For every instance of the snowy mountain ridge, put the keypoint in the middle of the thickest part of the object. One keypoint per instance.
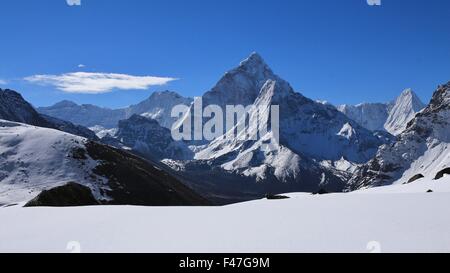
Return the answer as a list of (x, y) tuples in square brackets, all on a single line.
[(14, 107), (310, 132), (34, 159), (421, 150), (391, 117), (157, 106)]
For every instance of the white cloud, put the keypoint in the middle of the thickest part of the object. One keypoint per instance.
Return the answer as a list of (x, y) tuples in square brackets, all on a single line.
[(3, 82), (81, 66), (73, 2), (96, 83)]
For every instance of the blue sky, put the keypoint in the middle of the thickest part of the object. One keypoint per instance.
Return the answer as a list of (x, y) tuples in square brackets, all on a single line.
[(340, 51)]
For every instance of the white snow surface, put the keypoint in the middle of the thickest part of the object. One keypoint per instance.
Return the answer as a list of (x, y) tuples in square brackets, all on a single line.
[(33, 159), (101, 131), (402, 218)]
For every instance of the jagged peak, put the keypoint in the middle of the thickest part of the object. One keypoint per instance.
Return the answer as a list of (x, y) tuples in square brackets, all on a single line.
[(410, 97), (441, 98), (65, 103), (408, 93), (10, 92), (255, 64), (165, 94), (254, 58)]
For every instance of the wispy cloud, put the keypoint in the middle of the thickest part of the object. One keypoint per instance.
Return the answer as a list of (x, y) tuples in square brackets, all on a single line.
[(3, 82), (96, 83), (81, 66), (73, 2)]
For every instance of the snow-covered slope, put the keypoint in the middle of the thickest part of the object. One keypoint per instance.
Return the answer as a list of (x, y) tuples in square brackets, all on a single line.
[(391, 117), (33, 159), (14, 107), (422, 149), (371, 116), (158, 106), (102, 132), (387, 219)]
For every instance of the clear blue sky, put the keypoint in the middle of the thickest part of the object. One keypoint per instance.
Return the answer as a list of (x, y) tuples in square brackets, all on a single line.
[(340, 51)]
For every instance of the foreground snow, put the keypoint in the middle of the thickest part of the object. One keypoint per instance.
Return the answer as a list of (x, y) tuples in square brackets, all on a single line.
[(401, 218)]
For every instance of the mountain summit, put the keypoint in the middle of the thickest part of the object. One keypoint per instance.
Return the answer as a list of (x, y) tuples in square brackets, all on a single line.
[(312, 135), (404, 109), (391, 117), (241, 85), (420, 151)]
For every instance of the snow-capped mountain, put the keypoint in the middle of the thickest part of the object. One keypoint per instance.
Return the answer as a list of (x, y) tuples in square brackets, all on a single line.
[(14, 107), (158, 106), (34, 159), (406, 106), (391, 117), (146, 137), (371, 116), (239, 86), (422, 150), (86, 115), (310, 132)]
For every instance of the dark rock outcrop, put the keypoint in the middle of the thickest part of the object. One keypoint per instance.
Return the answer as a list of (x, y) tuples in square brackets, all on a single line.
[(69, 195), (415, 177), (441, 174)]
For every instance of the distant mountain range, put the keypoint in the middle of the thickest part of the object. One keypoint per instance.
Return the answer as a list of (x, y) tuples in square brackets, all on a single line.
[(313, 137), (14, 108), (391, 117), (320, 147), (157, 107)]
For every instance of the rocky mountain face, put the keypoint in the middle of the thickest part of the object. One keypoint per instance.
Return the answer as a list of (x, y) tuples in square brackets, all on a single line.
[(310, 132), (14, 107), (422, 150), (391, 117), (148, 138), (35, 159), (158, 107)]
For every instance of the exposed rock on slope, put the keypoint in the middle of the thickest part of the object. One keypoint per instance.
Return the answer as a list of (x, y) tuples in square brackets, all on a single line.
[(423, 148), (148, 138), (34, 159), (310, 132)]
